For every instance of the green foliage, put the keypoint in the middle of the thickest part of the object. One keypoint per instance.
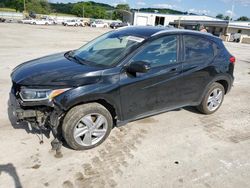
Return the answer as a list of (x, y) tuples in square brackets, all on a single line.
[(89, 9), (161, 10), (226, 18), (220, 16), (38, 6), (243, 18), (122, 7), (119, 11), (62, 8)]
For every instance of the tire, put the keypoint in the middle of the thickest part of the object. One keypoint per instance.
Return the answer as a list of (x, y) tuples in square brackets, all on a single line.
[(76, 25), (206, 107), (75, 120)]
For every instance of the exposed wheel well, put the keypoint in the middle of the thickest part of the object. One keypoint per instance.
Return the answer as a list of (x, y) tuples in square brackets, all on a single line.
[(224, 83)]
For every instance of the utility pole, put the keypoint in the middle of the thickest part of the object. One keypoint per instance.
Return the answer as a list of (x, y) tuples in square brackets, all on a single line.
[(83, 11), (232, 12), (24, 6)]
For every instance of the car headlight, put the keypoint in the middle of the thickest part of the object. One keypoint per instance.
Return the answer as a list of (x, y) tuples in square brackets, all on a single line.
[(40, 94)]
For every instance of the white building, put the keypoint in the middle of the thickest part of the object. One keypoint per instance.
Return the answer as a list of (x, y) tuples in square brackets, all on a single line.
[(153, 19)]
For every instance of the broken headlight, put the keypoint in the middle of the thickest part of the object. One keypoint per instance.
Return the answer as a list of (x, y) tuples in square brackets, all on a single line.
[(40, 94)]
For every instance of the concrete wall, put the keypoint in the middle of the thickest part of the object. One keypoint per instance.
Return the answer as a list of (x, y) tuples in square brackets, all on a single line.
[(11, 15), (246, 40)]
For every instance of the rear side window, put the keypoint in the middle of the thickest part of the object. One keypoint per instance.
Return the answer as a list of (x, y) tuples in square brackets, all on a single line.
[(198, 49)]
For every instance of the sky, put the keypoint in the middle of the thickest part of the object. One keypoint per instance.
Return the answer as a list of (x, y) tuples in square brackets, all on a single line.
[(208, 7)]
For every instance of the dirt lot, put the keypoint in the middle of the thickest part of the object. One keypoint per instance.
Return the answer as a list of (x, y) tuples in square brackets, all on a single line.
[(180, 148)]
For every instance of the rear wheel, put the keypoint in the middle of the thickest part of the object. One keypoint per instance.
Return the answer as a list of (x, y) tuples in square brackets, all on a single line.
[(212, 99), (86, 126)]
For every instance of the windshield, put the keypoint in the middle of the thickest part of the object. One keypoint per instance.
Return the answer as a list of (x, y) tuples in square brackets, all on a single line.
[(107, 49)]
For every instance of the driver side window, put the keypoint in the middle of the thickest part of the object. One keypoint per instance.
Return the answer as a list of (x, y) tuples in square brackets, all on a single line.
[(162, 51)]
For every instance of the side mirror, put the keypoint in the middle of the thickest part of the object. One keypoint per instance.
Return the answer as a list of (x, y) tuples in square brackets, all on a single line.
[(138, 66)]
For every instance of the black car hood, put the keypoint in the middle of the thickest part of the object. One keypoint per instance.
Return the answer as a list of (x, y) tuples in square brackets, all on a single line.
[(55, 70)]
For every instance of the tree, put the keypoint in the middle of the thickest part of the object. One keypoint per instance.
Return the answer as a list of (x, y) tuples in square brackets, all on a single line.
[(91, 10), (122, 7), (220, 16), (226, 18), (243, 18), (119, 11), (38, 6)]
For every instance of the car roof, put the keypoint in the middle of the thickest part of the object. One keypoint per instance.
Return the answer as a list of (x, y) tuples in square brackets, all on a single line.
[(142, 31), (150, 31)]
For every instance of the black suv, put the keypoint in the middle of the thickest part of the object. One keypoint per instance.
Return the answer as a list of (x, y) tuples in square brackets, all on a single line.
[(119, 77)]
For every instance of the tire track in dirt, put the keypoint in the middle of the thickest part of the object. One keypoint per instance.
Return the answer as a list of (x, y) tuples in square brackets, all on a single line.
[(216, 125), (113, 156)]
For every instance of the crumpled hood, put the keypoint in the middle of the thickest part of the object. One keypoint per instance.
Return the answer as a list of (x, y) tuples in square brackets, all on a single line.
[(55, 70)]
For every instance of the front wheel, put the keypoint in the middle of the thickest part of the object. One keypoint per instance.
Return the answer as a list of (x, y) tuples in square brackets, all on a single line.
[(87, 126), (212, 99)]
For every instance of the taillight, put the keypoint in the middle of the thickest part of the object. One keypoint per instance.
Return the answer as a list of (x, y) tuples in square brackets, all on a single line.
[(232, 59)]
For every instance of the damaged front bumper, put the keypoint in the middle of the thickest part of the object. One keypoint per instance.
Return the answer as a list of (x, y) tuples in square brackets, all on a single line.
[(43, 115), (37, 116)]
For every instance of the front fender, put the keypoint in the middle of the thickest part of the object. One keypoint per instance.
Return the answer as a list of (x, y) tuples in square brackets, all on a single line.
[(88, 93)]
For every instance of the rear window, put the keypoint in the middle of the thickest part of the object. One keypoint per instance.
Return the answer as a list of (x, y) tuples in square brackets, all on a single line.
[(198, 49)]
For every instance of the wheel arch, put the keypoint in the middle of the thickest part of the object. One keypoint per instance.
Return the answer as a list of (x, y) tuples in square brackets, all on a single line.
[(224, 83), (109, 105), (225, 80)]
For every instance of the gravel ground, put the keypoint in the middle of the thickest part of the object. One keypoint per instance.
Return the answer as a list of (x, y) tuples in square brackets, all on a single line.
[(181, 148)]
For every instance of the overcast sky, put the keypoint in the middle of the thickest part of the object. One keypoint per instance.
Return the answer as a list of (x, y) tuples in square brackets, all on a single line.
[(209, 7)]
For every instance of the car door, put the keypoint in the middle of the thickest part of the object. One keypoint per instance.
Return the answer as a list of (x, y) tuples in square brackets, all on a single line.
[(158, 88), (198, 54)]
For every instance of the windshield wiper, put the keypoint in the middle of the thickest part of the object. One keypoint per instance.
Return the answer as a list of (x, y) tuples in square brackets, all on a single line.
[(75, 57)]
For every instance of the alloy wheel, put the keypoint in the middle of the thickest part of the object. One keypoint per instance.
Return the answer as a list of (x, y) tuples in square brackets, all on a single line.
[(90, 129), (214, 99)]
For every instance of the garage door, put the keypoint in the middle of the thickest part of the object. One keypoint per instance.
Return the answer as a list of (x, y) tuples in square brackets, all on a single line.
[(141, 20)]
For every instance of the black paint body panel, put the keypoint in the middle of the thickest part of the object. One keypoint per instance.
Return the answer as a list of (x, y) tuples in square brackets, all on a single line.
[(132, 96)]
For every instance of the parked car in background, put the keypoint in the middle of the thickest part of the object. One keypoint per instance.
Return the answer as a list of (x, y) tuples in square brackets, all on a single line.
[(27, 20), (43, 22), (2, 19), (75, 23), (116, 25), (99, 24), (119, 77)]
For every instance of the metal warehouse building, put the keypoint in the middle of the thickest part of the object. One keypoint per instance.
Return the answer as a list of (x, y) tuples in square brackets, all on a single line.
[(213, 25), (224, 29)]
